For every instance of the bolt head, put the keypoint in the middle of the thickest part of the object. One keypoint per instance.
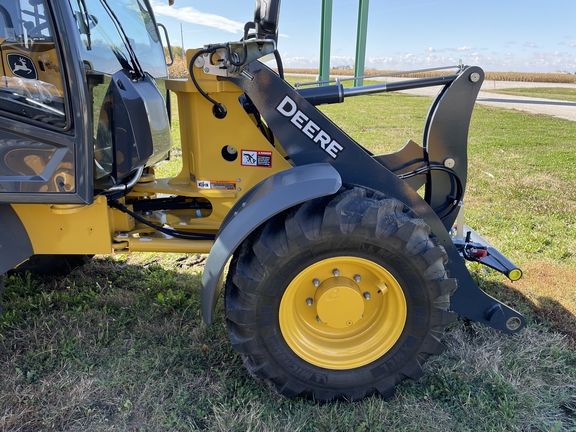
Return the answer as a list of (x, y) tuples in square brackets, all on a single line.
[(336, 272), (513, 323), (316, 282), (309, 301), (367, 295), (474, 77), (357, 278)]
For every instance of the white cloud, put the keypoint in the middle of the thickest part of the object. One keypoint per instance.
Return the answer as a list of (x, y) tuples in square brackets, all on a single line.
[(194, 16), (507, 62), (463, 48)]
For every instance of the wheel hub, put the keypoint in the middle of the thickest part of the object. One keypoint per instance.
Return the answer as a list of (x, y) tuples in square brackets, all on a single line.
[(339, 302), (342, 312)]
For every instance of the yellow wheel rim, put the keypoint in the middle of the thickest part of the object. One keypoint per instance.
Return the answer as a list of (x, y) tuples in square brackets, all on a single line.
[(342, 313)]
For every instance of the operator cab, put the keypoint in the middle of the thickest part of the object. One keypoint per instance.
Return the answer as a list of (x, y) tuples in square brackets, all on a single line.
[(81, 97)]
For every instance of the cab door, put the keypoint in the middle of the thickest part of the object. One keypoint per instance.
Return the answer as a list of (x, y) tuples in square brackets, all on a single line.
[(44, 145)]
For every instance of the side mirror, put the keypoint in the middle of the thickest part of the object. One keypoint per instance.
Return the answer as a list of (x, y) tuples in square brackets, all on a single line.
[(266, 16)]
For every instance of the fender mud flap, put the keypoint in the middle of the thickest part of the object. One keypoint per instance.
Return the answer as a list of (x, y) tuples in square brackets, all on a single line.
[(15, 245), (268, 198)]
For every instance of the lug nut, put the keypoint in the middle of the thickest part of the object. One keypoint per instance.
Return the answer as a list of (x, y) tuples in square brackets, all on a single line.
[(309, 301), (336, 272), (357, 278), (318, 319), (367, 295), (316, 282)]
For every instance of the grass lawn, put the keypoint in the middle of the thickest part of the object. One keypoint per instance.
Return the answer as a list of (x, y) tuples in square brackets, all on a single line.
[(119, 344)]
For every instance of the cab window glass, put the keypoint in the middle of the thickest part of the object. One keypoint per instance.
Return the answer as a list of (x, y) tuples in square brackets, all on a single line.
[(116, 35), (31, 83)]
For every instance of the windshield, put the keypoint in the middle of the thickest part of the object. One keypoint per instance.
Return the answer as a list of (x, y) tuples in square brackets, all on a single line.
[(119, 34)]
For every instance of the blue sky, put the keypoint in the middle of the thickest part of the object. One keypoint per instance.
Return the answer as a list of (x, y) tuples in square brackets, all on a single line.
[(505, 35)]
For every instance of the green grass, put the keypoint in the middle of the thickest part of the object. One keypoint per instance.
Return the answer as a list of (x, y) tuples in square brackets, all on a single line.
[(119, 344), (555, 93)]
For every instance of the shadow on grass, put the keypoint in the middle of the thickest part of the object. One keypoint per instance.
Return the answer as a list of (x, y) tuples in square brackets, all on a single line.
[(114, 343)]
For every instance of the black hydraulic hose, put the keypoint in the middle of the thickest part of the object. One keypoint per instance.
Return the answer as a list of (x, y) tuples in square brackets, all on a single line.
[(279, 64), (186, 235), (459, 187), (238, 63), (221, 108)]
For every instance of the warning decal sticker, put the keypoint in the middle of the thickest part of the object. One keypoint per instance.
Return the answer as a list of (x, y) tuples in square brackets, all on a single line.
[(257, 158)]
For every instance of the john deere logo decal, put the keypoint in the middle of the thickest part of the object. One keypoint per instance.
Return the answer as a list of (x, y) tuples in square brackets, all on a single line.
[(22, 66)]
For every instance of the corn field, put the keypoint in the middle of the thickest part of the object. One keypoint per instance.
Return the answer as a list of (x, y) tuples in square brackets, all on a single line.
[(180, 70)]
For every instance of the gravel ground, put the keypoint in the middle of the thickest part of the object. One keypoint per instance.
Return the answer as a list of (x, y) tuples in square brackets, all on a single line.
[(561, 109)]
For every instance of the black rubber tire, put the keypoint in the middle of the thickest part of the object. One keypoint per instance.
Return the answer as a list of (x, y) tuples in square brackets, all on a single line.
[(354, 222), (1, 292)]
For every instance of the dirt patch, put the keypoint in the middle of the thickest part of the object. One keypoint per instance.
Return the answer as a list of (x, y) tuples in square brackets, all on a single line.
[(551, 290)]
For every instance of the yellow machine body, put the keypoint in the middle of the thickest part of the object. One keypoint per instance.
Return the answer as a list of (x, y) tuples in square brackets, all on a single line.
[(211, 172)]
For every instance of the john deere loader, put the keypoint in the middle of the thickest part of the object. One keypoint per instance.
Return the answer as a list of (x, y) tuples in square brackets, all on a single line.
[(343, 266)]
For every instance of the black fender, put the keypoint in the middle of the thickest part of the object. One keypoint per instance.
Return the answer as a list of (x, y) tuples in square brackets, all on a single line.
[(271, 196), (15, 245)]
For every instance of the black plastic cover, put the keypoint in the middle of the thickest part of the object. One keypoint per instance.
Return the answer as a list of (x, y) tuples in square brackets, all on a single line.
[(266, 17), (140, 124)]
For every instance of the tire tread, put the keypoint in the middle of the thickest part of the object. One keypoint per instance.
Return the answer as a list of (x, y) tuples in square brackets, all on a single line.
[(367, 215)]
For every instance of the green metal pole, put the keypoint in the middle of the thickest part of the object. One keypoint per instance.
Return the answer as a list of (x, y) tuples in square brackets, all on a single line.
[(325, 39), (361, 41)]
